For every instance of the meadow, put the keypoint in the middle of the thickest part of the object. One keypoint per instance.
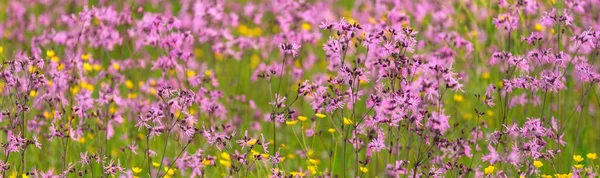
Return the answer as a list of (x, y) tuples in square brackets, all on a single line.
[(299, 88)]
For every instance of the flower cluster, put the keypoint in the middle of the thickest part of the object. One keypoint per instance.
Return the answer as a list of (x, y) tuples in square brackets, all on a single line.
[(294, 88)]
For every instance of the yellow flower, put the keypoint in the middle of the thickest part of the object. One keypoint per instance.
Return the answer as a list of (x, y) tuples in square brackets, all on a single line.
[(206, 162), (252, 141), (489, 169), (81, 140), (50, 53), (312, 169), (306, 26), (116, 66), (331, 130), (155, 164), (136, 169), (474, 33), (319, 115), (458, 98), (538, 27), (592, 156), (302, 118), (364, 169), (347, 121), (563, 175), (48, 115), (129, 84), (297, 174), (225, 156), (97, 67), (538, 164), (490, 113), (243, 29), (190, 73), (170, 171), (254, 61), (293, 122), (546, 176), (225, 163), (87, 66), (85, 57), (32, 93), (1, 49), (55, 59), (314, 161), (578, 166), (24, 176), (577, 158), (60, 67), (208, 73)]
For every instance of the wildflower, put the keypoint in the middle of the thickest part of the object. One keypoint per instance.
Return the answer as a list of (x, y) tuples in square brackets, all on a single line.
[(50, 53), (225, 156), (347, 121), (85, 57), (331, 130), (129, 84), (577, 158), (208, 73), (538, 164), (206, 162), (302, 118), (252, 142), (538, 27), (1, 49), (136, 170), (364, 169), (438, 122), (489, 169), (24, 176), (297, 174), (293, 122), (319, 115), (578, 166), (306, 26), (155, 164), (87, 67), (32, 93), (116, 66), (312, 169), (458, 98), (314, 161), (170, 171), (97, 67), (55, 59), (592, 156), (225, 163), (508, 22), (563, 175), (289, 48), (490, 113)]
